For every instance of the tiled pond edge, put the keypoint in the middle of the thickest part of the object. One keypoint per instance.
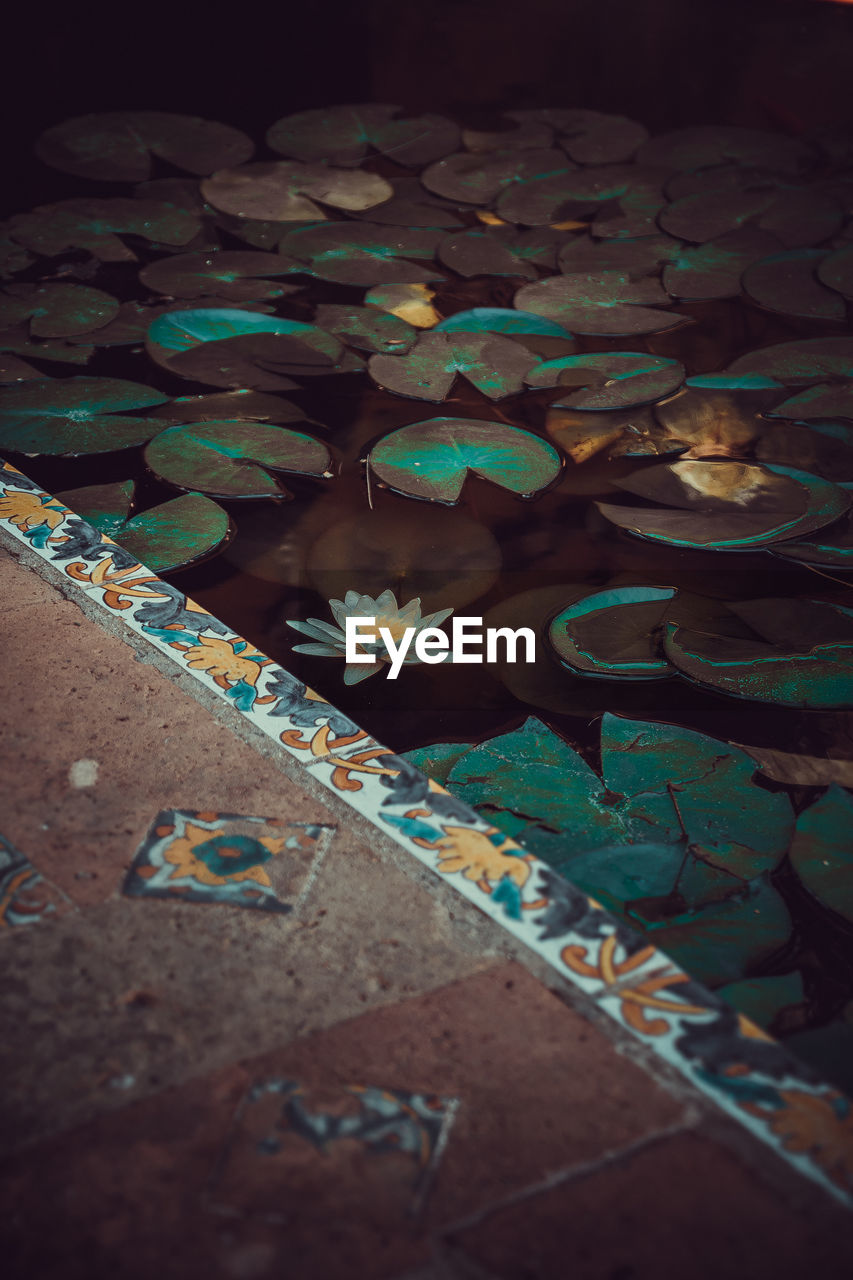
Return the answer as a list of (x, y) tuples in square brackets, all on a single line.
[(745, 1072)]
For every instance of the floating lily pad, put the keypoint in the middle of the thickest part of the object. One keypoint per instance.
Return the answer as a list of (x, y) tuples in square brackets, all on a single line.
[(55, 350), (116, 146), (807, 667), (761, 999), (475, 253), (608, 303), (623, 434), (589, 137), (366, 328), (56, 310), (836, 271), (228, 406), (234, 459), (817, 403), (362, 254), (495, 365), (638, 257), (787, 282), (234, 275), (96, 225), (822, 853), (501, 320), (433, 459), (76, 415), (609, 379), (170, 536), (707, 145), (831, 549), (797, 216), (411, 302), (477, 179), (283, 191), (727, 505), (413, 206), (344, 135), (519, 134), (637, 193), (808, 360), (714, 269), (613, 633)]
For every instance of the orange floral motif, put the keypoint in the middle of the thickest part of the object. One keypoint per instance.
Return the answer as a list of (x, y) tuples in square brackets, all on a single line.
[(28, 510), (473, 854), (810, 1125), (181, 854), (217, 657), (637, 996)]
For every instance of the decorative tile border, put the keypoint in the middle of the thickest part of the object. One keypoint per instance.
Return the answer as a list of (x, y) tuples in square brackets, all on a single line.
[(744, 1071)]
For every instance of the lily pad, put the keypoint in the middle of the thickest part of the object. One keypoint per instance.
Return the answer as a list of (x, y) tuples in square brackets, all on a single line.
[(609, 303), (234, 275), (170, 536), (807, 360), (501, 320), (761, 999), (495, 365), (412, 205), (636, 193), (363, 254), (478, 179), (637, 257), (817, 403), (706, 145), (811, 667), (712, 423), (228, 406), (366, 328), (96, 225), (822, 853), (234, 459), (475, 253), (797, 216), (614, 633), (76, 415), (726, 505), (411, 302), (623, 434), (433, 459), (284, 191), (344, 135), (589, 137), (836, 271), (714, 269), (117, 146), (609, 379), (519, 134), (56, 310), (787, 282)]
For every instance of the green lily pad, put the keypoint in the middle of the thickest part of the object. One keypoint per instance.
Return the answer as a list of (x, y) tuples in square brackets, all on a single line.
[(56, 350), (366, 328), (170, 536), (798, 217), (364, 254), (761, 999), (344, 135), (495, 365), (234, 275), (613, 633), (285, 191), (116, 146), (636, 193), (234, 459), (804, 361), (727, 505), (501, 320), (822, 851), (673, 801), (476, 178), (817, 403), (804, 661), (56, 310), (714, 269), (635, 257), (518, 134), (436, 762), (709, 145), (589, 137), (475, 253), (433, 459), (836, 271), (96, 225), (605, 304), (229, 406), (609, 379), (76, 415), (787, 282)]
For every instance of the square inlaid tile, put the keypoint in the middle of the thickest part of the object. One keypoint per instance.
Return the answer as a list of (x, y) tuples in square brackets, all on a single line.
[(262, 863), (25, 896)]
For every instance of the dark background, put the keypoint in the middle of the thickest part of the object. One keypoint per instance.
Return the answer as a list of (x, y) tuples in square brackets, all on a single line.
[(784, 64)]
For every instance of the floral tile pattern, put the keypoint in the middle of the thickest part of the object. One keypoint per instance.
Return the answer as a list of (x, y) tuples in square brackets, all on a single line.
[(25, 896), (720, 1052), (379, 1146), (261, 863)]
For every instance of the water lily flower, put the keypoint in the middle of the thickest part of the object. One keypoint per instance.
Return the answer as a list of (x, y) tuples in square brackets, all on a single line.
[(331, 640)]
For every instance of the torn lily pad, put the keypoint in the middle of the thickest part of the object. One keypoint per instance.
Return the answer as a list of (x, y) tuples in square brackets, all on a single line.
[(726, 505), (608, 379), (433, 459), (117, 146), (235, 275), (614, 633), (359, 253), (800, 656), (788, 283), (345, 135), (76, 415), (411, 302), (609, 303), (234, 459), (284, 191), (97, 225), (495, 365), (56, 310), (166, 537)]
